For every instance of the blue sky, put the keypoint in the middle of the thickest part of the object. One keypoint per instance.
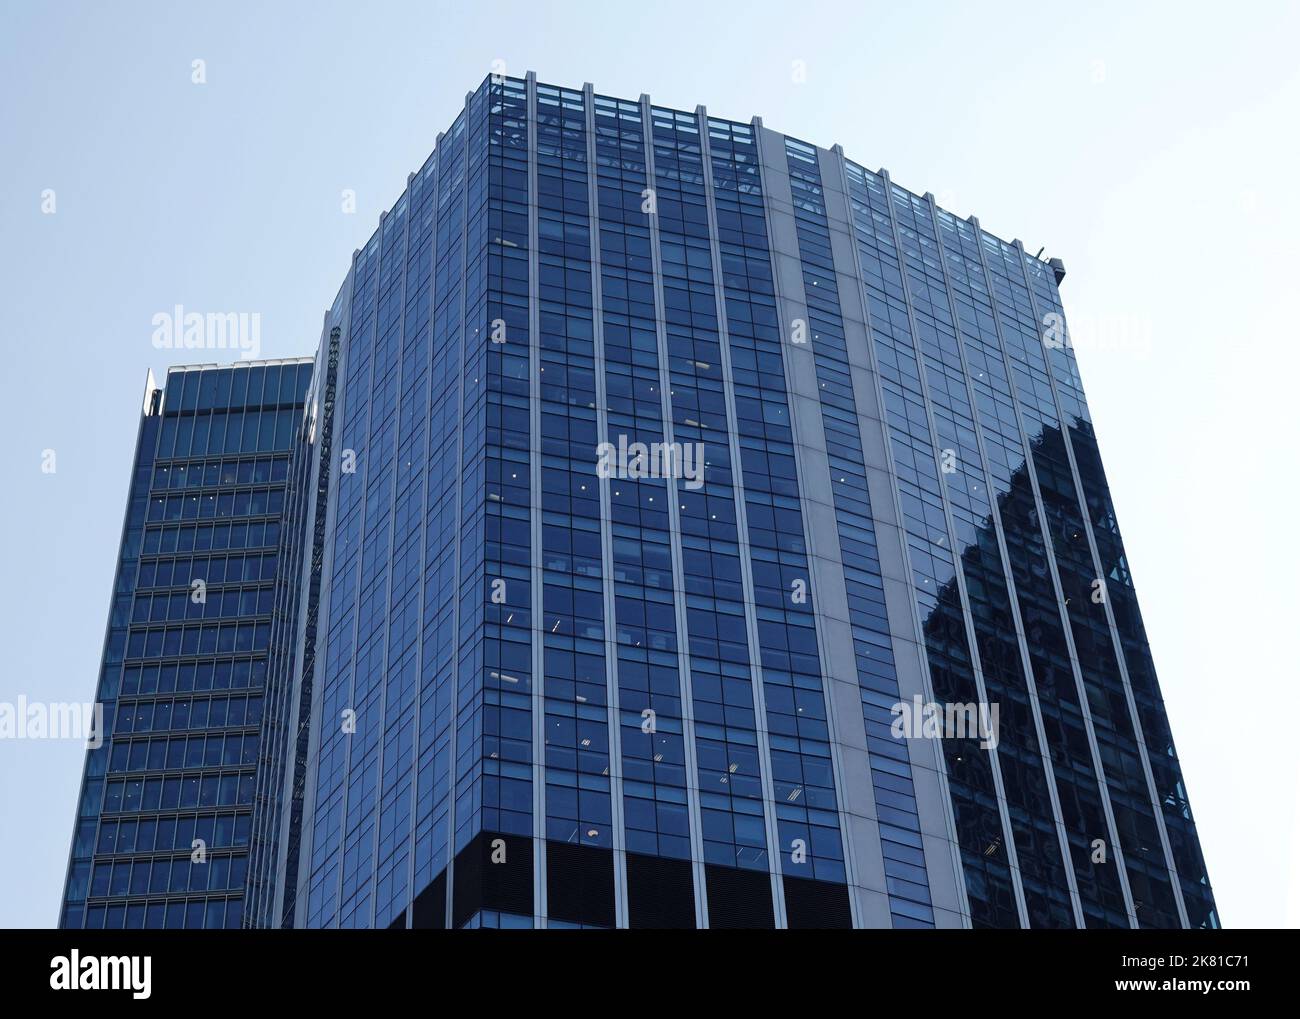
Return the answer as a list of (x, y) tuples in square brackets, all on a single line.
[(1152, 147)]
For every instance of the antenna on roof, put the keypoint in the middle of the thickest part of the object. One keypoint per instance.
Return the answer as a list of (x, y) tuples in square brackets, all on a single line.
[(1040, 251)]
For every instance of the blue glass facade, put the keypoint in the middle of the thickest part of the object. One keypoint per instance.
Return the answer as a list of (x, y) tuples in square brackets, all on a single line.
[(509, 685), (890, 770), (164, 820)]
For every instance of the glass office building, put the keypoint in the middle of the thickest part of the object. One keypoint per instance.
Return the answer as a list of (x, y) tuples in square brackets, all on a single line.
[(164, 818), (654, 470)]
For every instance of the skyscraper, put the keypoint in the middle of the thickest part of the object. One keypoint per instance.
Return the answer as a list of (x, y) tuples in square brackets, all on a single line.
[(690, 527), (163, 821)]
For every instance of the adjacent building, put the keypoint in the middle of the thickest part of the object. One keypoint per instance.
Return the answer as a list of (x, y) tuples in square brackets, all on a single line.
[(165, 814), (681, 525)]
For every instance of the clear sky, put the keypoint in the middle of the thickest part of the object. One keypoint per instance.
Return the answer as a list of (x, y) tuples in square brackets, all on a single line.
[(1151, 146)]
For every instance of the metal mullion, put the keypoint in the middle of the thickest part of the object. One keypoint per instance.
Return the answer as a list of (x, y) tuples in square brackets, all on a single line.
[(1005, 562), (742, 532)]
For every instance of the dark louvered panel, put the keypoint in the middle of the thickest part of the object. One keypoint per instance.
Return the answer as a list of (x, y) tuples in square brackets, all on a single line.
[(493, 872), (739, 898), (430, 911), (580, 884), (660, 893), (811, 905)]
